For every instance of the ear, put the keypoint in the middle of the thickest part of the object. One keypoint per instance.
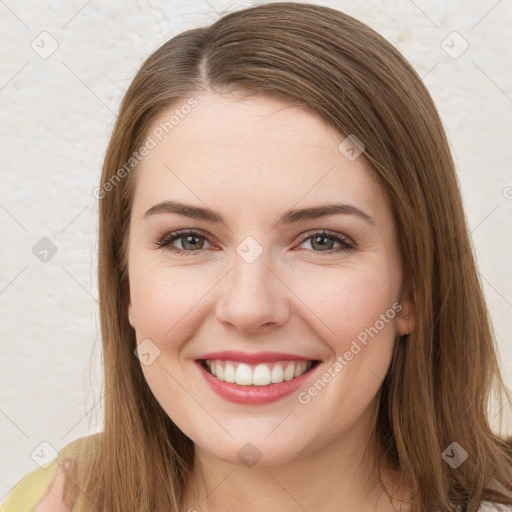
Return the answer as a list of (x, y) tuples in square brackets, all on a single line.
[(131, 315), (407, 318)]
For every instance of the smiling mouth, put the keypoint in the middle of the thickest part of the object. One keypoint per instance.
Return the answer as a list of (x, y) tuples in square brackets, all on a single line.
[(262, 374)]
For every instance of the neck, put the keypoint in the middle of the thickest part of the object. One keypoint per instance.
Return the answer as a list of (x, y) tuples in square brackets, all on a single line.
[(339, 476)]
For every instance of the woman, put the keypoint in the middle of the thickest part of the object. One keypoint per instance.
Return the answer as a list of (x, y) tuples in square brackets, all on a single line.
[(290, 307)]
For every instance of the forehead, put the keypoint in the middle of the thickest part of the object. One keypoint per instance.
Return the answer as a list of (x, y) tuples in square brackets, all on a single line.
[(252, 151)]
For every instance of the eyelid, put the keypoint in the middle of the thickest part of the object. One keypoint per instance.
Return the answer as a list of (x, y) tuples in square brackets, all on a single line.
[(172, 236), (326, 232), (166, 240)]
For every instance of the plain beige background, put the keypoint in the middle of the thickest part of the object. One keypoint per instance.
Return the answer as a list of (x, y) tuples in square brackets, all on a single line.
[(65, 67)]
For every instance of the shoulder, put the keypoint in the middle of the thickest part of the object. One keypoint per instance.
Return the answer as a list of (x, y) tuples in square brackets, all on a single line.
[(47, 483), (489, 506)]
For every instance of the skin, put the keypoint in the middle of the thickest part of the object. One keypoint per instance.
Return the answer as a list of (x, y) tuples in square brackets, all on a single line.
[(55, 499), (251, 159)]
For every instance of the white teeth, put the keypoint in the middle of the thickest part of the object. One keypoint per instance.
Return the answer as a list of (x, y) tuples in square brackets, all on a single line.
[(277, 374), (289, 373), (229, 373), (262, 374), (244, 375)]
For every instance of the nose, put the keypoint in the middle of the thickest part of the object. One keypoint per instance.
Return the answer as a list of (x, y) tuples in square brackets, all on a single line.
[(253, 298)]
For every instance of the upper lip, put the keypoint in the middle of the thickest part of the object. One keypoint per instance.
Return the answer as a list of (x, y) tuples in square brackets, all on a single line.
[(254, 357)]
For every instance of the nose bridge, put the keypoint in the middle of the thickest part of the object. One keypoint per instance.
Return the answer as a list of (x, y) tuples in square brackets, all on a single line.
[(252, 296)]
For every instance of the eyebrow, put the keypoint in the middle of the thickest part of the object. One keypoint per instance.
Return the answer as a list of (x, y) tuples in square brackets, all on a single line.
[(288, 217)]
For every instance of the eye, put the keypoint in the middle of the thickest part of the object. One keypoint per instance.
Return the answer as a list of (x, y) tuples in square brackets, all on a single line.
[(191, 241), (324, 241)]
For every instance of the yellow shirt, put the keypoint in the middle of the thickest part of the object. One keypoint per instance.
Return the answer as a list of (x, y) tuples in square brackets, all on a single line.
[(30, 489)]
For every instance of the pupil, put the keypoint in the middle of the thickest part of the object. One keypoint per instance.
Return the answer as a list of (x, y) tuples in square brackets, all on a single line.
[(189, 239), (322, 238)]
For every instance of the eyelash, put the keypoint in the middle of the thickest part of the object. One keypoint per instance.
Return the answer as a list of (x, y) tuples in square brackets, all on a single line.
[(169, 238)]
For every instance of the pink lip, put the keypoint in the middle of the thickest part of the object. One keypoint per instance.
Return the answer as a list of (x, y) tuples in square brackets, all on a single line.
[(253, 395), (255, 358)]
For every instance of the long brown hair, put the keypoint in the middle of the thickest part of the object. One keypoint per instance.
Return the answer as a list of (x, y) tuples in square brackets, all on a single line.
[(438, 387)]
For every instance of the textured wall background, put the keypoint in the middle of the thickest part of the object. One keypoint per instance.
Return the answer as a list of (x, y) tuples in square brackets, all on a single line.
[(64, 69)]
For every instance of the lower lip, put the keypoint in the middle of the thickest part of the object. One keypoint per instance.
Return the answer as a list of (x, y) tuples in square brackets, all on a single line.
[(254, 395)]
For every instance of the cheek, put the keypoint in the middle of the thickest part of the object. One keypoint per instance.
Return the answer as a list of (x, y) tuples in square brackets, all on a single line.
[(165, 299), (349, 300), (340, 303), (356, 309)]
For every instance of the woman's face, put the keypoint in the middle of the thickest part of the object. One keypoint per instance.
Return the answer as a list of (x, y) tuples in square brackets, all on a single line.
[(268, 289)]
